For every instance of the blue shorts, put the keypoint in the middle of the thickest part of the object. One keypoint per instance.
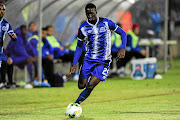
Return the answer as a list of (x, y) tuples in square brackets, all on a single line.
[(96, 68)]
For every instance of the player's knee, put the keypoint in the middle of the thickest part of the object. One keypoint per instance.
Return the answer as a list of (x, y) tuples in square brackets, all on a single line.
[(81, 83), (81, 86)]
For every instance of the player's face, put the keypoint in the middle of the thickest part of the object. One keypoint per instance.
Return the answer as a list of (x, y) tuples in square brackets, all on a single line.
[(136, 31), (44, 34), (32, 27), (50, 31), (24, 31), (2, 11), (91, 14)]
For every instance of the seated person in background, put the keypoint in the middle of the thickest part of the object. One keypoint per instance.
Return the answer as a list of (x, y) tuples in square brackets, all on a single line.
[(58, 48), (32, 29), (22, 52), (7, 67), (47, 54), (133, 49), (115, 46)]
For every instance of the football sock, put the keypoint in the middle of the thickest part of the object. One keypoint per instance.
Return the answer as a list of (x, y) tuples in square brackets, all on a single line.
[(84, 94)]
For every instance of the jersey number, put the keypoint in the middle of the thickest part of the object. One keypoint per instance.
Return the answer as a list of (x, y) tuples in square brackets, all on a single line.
[(105, 72)]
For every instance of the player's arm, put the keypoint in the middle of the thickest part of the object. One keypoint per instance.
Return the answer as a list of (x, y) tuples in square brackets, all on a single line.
[(77, 55), (78, 51), (121, 32), (11, 33), (118, 30)]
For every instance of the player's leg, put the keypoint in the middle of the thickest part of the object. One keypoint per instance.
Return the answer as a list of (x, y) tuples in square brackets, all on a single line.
[(3, 72), (30, 71), (82, 83), (122, 63), (137, 54), (84, 74), (35, 69), (92, 83), (48, 68), (86, 92), (83, 79), (10, 73)]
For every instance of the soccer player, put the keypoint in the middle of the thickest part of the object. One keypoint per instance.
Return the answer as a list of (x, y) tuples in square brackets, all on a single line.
[(96, 31), (5, 27)]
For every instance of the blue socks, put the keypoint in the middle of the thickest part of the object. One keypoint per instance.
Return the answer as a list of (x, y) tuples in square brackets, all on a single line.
[(84, 94)]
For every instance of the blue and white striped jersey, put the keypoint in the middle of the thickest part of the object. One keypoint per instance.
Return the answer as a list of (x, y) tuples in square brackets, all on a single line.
[(5, 27), (98, 38)]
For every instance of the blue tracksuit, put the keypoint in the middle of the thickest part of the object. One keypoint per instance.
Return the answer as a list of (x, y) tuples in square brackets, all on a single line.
[(20, 50), (46, 48)]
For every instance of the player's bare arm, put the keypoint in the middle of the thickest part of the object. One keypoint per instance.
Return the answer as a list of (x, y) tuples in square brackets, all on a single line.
[(73, 69), (121, 54), (13, 35)]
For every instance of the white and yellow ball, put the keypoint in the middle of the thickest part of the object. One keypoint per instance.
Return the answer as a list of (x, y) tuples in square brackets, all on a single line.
[(73, 110)]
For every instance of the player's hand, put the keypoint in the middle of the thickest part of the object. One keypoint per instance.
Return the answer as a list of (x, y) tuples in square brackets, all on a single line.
[(121, 54), (46, 81), (143, 52), (13, 35), (29, 60), (59, 60), (34, 59), (61, 48), (73, 69), (9, 61), (50, 57)]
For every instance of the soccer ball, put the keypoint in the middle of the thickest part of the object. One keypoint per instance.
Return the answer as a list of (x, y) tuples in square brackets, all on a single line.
[(73, 110)]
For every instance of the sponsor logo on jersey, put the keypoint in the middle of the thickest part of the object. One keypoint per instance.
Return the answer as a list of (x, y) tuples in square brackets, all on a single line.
[(102, 29), (89, 31), (4, 28)]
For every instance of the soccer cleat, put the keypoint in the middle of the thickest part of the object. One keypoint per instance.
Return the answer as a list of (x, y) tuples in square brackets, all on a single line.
[(124, 74), (28, 86), (2, 85), (76, 77), (13, 86), (74, 104)]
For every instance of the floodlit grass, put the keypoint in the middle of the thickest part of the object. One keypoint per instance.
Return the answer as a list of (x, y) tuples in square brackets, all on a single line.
[(115, 99)]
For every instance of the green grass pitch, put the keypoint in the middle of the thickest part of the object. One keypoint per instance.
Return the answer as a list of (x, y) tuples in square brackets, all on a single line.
[(115, 99)]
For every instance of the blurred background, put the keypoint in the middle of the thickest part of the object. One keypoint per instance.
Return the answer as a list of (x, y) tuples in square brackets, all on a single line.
[(66, 15)]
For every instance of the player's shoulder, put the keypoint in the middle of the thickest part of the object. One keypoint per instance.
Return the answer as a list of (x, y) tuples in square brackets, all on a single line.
[(84, 24), (103, 19), (5, 21)]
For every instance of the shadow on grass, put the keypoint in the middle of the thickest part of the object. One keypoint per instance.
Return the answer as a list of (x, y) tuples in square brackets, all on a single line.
[(151, 112), (119, 78), (80, 118)]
